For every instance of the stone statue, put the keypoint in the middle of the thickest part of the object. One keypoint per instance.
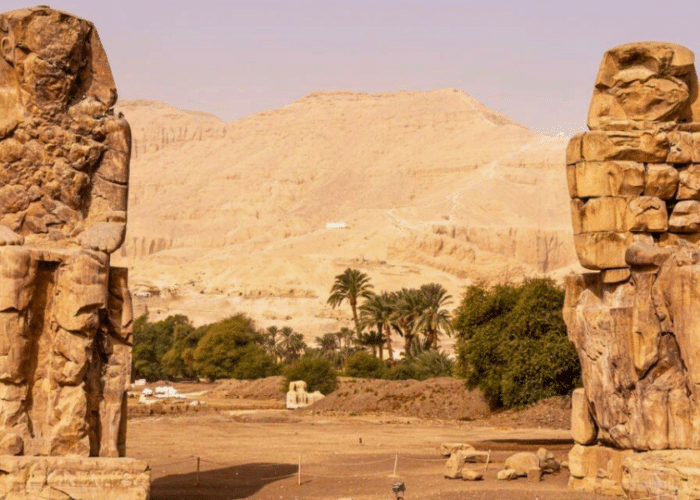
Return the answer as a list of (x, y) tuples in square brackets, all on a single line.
[(65, 313), (634, 179)]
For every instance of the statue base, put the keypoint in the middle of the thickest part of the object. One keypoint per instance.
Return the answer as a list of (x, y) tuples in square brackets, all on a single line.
[(74, 478), (597, 469)]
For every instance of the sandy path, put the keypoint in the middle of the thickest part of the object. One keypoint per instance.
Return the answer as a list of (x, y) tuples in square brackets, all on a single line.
[(254, 454)]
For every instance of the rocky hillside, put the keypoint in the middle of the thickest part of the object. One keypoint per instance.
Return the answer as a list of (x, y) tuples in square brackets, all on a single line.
[(427, 186)]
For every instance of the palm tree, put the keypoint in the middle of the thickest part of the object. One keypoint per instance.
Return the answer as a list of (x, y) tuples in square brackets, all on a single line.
[(329, 347), (270, 342), (350, 286), (409, 305), (378, 310), (291, 344), (375, 340), (434, 317)]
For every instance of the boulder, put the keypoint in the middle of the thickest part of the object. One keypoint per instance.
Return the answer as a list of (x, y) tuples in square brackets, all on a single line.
[(471, 475), (454, 465), (689, 183), (522, 462)]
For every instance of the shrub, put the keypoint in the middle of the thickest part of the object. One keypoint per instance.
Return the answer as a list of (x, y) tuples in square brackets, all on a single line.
[(364, 365), (317, 372), (512, 343), (229, 349), (152, 341)]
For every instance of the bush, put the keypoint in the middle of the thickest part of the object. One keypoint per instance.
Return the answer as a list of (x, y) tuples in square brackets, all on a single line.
[(317, 372), (152, 341), (229, 349), (364, 365), (512, 343)]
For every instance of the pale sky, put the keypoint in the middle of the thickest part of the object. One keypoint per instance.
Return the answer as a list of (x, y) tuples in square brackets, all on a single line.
[(534, 61)]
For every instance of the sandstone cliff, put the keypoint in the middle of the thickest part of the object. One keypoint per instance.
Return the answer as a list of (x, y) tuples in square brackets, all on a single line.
[(433, 186)]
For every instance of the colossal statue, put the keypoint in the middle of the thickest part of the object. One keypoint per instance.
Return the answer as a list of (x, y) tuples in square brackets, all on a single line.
[(65, 313), (634, 179)]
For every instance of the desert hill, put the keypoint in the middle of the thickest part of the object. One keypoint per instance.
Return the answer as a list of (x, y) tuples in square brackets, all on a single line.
[(432, 186)]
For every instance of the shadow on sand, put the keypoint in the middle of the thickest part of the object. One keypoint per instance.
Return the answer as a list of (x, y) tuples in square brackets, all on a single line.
[(527, 444), (240, 481)]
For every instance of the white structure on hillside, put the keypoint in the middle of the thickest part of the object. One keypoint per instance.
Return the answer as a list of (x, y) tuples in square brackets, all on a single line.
[(337, 225)]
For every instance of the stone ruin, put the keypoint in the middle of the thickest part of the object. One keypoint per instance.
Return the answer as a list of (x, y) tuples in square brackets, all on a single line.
[(298, 397), (634, 180), (65, 312)]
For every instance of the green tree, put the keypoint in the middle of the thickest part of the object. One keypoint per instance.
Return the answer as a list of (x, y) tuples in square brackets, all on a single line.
[(316, 371), (512, 342), (151, 343), (351, 286), (364, 365), (229, 349), (408, 305)]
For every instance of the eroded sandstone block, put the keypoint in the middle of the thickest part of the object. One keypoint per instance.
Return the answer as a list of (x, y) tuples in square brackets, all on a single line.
[(73, 478), (662, 474), (583, 428), (661, 181), (611, 178), (597, 469), (685, 217)]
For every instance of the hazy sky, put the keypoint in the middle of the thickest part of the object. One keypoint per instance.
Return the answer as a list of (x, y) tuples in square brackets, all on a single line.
[(534, 61)]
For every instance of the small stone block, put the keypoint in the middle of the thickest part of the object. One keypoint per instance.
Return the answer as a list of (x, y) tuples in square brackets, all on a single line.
[(646, 214), (689, 183), (685, 217), (680, 147), (583, 428), (661, 181), (506, 475), (599, 251), (573, 149), (613, 276)]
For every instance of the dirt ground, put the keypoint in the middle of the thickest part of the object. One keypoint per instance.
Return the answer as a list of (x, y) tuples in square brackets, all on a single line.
[(251, 449)]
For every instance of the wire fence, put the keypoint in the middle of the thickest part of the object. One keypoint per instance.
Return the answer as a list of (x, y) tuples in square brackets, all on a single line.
[(302, 469)]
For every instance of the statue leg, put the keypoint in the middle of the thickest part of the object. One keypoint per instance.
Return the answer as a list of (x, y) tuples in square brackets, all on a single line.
[(17, 275), (81, 292)]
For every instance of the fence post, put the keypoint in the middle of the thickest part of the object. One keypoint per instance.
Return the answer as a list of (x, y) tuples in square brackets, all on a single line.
[(197, 483), (299, 472), (488, 459), (396, 462)]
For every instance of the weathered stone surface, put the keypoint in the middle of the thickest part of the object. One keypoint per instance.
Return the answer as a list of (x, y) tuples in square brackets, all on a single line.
[(689, 183), (454, 465), (610, 178), (661, 181), (662, 474), (680, 147), (471, 475), (605, 250), (646, 214), (506, 475), (583, 427), (573, 149), (522, 462), (447, 449), (72, 478), (65, 313), (534, 475), (685, 217), (642, 83), (597, 469), (615, 275), (632, 145), (547, 461)]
